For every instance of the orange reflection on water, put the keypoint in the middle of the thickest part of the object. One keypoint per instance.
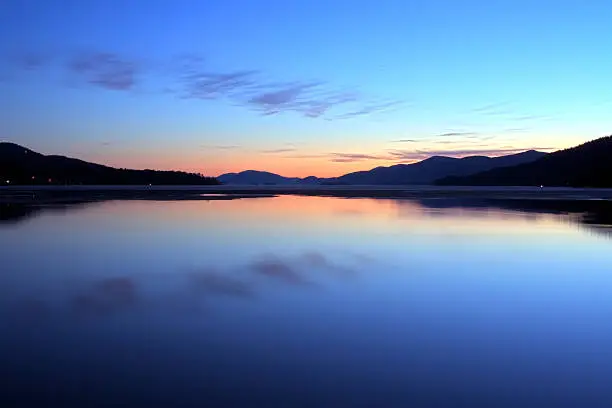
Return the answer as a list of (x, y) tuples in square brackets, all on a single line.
[(350, 214)]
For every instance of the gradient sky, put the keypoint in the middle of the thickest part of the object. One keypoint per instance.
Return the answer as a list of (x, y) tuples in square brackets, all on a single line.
[(301, 87)]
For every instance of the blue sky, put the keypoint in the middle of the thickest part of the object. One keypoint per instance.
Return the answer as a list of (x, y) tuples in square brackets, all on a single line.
[(301, 87)]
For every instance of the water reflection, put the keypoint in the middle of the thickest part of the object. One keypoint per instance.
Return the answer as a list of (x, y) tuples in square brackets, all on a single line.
[(596, 214), (107, 296), (213, 282), (186, 287), (288, 302), (15, 213)]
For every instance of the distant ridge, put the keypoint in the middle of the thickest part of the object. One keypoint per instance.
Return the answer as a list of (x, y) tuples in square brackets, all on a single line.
[(423, 172), (586, 165), (22, 166), (435, 167), (253, 177)]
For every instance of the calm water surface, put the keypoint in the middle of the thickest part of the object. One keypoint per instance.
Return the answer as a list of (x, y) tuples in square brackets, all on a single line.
[(305, 302)]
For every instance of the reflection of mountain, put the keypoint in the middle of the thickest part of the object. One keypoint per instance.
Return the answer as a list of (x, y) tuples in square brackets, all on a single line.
[(594, 214), (15, 213)]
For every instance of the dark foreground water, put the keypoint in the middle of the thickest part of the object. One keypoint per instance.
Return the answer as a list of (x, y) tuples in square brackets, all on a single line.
[(306, 302)]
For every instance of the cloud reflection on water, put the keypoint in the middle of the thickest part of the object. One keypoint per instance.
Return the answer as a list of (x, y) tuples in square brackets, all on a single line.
[(209, 281), (186, 289), (197, 288), (273, 267), (107, 296), (590, 213)]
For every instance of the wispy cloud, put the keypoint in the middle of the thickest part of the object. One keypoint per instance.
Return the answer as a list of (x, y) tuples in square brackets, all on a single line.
[(292, 97), (491, 107), (312, 99), (207, 85), (527, 118), (370, 109), (495, 109), (106, 70), (29, 60), (516, 130), (12, 64), (407, 155), (485, 138), (454, 137), (253, 89), (464, 152), (281, 150), (453, 148), (457, 134), (220, 147), (194, 77), (353, 157), (510, 112), (306, 156)]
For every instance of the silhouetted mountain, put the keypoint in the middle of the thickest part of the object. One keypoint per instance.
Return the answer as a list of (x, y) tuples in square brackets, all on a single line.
[(24, 166), (587, 165), (253, 177), (429, 170), (424, 172), (311, 180)]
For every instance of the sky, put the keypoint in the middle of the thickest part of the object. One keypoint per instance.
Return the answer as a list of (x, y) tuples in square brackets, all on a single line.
[(301, 87)]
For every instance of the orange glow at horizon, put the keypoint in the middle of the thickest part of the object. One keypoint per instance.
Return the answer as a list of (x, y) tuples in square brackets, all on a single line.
[(224, 162), (319, 162)]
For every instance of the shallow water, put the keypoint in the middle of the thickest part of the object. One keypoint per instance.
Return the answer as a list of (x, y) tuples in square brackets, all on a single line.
[(306, 302)]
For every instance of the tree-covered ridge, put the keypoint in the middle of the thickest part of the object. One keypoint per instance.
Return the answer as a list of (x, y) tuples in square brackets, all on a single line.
[(19, 165)]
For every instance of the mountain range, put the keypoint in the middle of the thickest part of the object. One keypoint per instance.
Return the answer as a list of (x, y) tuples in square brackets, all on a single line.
[(586, 165), (254, 177), (423, 172), (19, 165)]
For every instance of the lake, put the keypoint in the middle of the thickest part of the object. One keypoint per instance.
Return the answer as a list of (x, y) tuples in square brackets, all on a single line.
[(296, 301)]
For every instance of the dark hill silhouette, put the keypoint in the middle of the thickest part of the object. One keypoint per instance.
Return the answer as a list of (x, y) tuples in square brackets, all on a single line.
[(435, 167), (586, 165), (20, 165), (254, 177), (423, 172)]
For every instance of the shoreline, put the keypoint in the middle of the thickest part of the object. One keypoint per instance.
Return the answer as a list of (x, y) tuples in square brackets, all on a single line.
[(68, 194)]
